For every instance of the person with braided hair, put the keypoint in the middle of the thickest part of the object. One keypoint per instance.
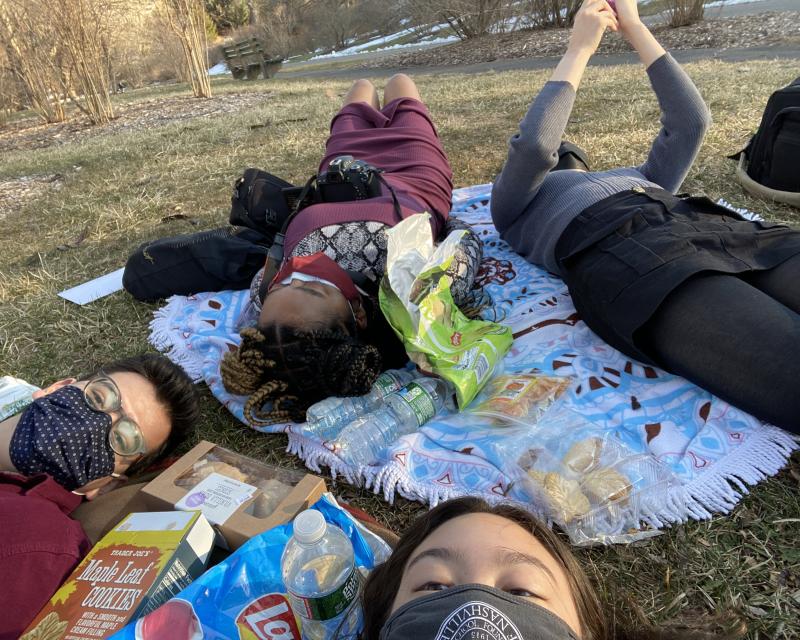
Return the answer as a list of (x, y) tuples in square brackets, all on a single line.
[(315, 329)]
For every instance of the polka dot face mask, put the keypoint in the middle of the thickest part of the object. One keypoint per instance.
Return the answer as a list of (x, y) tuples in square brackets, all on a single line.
[(61, 435)]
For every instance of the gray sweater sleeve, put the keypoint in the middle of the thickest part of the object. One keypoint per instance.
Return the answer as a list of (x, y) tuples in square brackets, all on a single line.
[(685, 118), (532, 153)]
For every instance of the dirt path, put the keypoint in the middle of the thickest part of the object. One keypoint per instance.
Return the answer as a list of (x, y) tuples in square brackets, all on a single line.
[(685, 55)]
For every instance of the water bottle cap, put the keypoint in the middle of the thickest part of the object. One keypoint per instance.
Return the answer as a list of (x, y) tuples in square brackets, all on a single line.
[(309, 526)]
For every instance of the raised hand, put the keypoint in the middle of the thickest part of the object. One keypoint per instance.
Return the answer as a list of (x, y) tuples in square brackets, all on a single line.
[(627, 15), (591, 21)]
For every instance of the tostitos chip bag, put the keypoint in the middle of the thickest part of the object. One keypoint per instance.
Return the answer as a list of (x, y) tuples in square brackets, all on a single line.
[(243, 597), (415, 297)]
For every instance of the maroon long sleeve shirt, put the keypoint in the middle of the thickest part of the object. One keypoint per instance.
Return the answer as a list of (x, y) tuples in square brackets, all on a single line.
[(41, 545)]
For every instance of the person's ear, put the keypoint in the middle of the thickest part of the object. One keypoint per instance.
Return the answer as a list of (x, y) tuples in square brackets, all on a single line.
[(361, 315), (41, 393)]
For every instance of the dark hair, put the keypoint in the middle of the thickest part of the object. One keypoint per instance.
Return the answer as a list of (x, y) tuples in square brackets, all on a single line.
[(291, 369), (176, 393), (383, 583)]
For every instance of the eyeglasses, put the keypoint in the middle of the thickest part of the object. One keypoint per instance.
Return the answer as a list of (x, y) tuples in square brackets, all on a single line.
[(125, 438)]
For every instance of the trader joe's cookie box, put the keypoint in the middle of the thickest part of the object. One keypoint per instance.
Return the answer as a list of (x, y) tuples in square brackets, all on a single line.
[(140, 564)]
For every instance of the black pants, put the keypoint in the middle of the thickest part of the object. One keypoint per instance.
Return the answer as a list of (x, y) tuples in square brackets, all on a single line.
[(738, 336), (692, 287)]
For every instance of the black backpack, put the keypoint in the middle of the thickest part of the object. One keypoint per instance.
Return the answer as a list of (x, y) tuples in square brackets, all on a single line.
[(772, 156), (259, 201)]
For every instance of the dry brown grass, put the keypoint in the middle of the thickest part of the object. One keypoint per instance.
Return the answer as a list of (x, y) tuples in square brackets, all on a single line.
[(116, 188)]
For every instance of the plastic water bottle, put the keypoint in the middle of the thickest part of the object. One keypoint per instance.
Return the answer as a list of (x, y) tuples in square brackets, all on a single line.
[(321, 578), (404, 411), (326, 418), (15, 395)]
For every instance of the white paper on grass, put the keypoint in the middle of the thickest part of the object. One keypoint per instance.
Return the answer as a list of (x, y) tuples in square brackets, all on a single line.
[(410, 252), (95, 289)]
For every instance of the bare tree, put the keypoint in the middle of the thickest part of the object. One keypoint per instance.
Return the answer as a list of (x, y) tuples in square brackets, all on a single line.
[(467, 18), (552, 13), (339, 22), (284, 23), (187, 20), (79, 25), (32, 57)]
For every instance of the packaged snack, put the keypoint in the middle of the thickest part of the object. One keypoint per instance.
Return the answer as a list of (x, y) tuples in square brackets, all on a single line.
[(244, 596), (585, 478), (141, 563), (240, 496), (520, 397), (567, 469), (415, 297)]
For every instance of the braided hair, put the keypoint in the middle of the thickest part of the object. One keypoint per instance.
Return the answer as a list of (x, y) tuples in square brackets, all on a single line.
[(289, 369)]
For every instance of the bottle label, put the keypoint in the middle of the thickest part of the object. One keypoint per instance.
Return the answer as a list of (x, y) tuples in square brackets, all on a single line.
[(417, 397), (387, 383), (331, 604), (268, 618)]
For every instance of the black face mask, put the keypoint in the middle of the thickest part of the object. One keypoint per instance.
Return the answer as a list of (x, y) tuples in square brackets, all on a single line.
[(474, 612), (61, 435)]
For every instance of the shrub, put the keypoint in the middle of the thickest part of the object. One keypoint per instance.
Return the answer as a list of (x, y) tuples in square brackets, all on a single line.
[(684, 12)]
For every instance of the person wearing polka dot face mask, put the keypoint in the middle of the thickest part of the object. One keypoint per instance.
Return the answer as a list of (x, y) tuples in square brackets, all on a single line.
[(89, 433)]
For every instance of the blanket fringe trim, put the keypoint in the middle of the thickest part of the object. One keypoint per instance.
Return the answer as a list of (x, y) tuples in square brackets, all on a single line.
[(162, 338), (718, 490)]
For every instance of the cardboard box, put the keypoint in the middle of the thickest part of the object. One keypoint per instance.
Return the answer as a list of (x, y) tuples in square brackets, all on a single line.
[(240, 496), (140, 564)]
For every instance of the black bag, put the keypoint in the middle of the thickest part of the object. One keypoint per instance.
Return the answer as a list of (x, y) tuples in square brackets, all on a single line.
[(259, 201), (214, 260), (571, 156), (773, 153)]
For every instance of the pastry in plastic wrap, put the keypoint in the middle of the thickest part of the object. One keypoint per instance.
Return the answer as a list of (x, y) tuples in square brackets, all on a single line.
[(606, 484), (584, 455), (204, 468), (271, 494), (567, 502)]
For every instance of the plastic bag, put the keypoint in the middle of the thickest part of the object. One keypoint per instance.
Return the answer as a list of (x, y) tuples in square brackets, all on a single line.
[(244, 596), (415, 297), (569, 470), (519, 397), (586, 479)]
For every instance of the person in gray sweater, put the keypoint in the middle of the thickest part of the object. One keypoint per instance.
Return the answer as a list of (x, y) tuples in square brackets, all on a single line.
[(678, 282)]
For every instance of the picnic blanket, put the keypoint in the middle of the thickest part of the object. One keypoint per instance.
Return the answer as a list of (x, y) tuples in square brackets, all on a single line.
[(713, 449)]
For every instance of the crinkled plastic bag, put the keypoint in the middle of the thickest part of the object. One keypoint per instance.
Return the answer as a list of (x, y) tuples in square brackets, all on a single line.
[(519, 397), (415, 297), (244, 596), (572, 472), (587, 479)]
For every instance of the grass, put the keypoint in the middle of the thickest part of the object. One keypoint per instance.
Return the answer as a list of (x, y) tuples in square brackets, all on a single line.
[(740, 569)]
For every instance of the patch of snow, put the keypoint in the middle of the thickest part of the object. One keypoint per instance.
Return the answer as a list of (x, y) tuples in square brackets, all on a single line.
[(219, 69), (728, 3), (387, 40)]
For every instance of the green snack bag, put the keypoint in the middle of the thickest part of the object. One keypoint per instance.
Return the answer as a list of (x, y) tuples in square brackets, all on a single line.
[(415, 297)]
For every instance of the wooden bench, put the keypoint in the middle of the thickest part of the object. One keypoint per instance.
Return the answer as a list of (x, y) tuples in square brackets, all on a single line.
[(246, 60)]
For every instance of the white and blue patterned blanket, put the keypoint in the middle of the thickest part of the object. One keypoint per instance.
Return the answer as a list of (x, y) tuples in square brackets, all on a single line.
[(714, 449)]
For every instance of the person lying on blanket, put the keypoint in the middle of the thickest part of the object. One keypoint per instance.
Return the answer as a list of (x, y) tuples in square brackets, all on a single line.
[(678, 282), (86, 433), (319, 331), (466, 569)]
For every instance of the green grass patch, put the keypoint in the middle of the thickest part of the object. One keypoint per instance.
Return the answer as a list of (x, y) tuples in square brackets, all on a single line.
[(117, 187)]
